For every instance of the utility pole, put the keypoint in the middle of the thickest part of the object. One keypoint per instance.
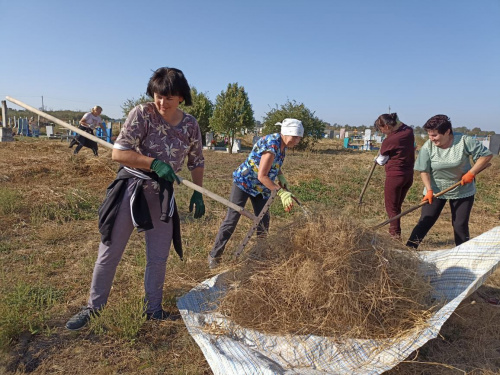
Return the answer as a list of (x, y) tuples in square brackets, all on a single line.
[(43, 108), (389, 108)]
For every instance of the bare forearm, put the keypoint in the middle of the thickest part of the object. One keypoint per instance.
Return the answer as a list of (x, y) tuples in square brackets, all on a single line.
[(268, 183), (480, 164), (131, 159), (426, 179), (266, 161), (197, 175)]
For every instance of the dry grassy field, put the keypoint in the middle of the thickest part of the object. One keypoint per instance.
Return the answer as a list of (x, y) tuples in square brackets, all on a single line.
[(49, 239)]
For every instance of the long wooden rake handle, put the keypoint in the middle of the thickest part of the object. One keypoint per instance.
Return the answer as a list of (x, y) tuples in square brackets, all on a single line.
[(187, 183), (366, 183), (425, 202)]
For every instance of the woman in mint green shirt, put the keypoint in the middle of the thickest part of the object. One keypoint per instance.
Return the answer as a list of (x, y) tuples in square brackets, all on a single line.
[(443, 161)]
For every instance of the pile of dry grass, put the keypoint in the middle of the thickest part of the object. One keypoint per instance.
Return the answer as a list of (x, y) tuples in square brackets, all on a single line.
[(327, 276)]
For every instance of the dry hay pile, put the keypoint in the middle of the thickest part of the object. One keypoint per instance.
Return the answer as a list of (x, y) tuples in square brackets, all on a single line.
[(327, 277)]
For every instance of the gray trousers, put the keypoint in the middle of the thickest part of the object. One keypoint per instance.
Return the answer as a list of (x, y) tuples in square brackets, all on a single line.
[(158, 242), (228, 226)]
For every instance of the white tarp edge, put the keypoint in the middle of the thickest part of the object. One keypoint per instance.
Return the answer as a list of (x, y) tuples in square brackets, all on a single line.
[(460, 271)]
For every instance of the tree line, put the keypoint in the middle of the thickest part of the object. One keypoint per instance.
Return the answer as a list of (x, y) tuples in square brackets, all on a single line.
[(232, 113)]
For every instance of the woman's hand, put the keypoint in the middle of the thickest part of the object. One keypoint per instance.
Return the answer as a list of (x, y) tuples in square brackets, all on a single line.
[(428, 196), (286, 199), (467, 178)]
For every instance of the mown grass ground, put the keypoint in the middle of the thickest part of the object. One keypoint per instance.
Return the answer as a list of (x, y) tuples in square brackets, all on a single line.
[(49, 239)]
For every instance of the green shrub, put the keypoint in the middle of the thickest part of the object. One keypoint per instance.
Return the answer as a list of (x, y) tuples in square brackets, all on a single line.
[(10, 201), (74, 206), (122, 320), (25, 308)]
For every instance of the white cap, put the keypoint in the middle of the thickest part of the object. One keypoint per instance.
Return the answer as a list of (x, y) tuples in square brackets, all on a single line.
[(291, 126)]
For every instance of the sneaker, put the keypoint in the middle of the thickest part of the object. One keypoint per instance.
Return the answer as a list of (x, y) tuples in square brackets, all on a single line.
[(213, 262), (80, 320), (162, 315)]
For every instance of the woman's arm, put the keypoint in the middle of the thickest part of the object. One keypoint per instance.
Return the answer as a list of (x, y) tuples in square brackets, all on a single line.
[(131, 159), (197, 175), (266, 161), (426, 179), (480, 164), (83, 121)]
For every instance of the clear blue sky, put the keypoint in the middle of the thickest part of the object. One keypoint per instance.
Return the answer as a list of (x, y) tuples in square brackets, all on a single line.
[(347, 61)]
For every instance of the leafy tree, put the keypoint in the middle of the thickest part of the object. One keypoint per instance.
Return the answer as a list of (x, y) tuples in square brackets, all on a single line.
[(129, 104), (232, 112), (476, 131), (202, 109), (461, 129), (313, 126)]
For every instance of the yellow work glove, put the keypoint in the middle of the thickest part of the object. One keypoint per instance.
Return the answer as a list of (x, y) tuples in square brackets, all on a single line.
[(282, 181), (286, 199)]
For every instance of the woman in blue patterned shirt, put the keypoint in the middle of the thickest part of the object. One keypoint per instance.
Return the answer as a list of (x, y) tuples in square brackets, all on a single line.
[(254, 180)]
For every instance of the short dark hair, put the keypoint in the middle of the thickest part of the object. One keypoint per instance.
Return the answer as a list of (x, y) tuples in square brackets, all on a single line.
[(389, 119), (169, 81), (441, 123)]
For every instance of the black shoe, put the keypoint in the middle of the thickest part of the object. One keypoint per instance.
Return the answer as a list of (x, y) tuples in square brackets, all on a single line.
[(213, 262), (80, 320), (162, 315)]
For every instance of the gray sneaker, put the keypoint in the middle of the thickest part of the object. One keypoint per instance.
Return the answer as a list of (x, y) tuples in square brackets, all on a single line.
[(213, 262), (80, 320)]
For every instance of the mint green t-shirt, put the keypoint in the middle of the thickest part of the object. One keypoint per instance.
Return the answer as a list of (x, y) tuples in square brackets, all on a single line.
[(446, 166)]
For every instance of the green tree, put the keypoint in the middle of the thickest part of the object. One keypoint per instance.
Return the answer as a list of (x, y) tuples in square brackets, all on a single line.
[(313, 126), (129, 104), (232, 112), (202, 109), (461, 129)]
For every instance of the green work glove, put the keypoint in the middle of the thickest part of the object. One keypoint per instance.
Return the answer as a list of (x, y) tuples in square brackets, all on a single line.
[(197, 200), (283, 181), (164, 170), (286, 199)]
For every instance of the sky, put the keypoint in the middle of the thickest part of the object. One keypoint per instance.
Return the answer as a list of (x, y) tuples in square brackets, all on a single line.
[(348, 61)]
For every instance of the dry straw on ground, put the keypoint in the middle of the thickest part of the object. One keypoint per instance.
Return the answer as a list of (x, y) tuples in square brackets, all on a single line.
[(327, 276)]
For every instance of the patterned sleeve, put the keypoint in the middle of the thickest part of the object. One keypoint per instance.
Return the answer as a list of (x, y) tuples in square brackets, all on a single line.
[(195, 155), (269, 144), (423, 162), (132, 132), (475, 148)]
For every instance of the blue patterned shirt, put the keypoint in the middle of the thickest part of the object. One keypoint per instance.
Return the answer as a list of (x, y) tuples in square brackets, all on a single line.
[(245, 176)]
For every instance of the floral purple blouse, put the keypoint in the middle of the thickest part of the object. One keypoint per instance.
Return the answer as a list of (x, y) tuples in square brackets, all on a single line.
[(146, 132), (245, 176)]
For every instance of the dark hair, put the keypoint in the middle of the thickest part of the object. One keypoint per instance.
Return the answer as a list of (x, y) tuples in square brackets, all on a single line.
[(389, 119), (441, 123), (169, 81)]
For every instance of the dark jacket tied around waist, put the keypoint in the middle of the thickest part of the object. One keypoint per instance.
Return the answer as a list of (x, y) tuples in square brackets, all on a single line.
[(141, 217)]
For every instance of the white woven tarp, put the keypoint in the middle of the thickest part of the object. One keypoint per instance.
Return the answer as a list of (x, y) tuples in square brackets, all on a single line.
[(460, 271)]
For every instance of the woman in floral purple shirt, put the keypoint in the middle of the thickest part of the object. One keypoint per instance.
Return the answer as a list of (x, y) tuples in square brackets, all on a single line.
[(254, 180), (154, 142)]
